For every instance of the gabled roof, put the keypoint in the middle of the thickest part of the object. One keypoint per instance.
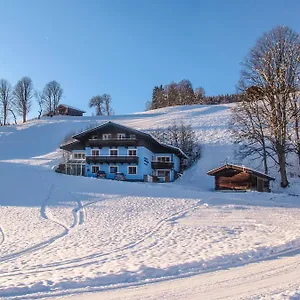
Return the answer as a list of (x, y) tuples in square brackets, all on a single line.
[(214, 172), (170, 147), (67, 145), (72, 107)]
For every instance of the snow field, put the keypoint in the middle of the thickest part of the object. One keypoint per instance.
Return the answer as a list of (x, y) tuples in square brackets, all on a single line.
[(61, 234)]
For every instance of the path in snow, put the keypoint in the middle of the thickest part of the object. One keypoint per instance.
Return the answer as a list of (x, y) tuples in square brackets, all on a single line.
[(2, 236)]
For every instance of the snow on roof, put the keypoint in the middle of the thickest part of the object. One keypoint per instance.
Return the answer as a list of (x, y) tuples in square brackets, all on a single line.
[(132, 129), (72, 107), (228, 166)]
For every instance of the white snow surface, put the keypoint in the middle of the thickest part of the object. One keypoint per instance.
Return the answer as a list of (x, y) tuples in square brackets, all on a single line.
[(62, 235)]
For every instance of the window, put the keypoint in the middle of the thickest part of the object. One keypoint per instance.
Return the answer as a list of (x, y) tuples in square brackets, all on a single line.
[(113, 152), (106, 136), (94, 137), (78, 155), (95, 169), (113, 169), (132, 170), (121, 136), (95, 152), (163, 158), (132, 152), (162, 173), (132, 137)]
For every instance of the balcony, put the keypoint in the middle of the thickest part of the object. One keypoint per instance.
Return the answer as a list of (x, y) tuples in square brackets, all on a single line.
[(112, 159), (113, 142), (162, 165)]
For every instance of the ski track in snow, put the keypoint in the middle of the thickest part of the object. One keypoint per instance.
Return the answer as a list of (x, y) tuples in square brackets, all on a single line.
[(91, 259), (78, 214), (2, 236)]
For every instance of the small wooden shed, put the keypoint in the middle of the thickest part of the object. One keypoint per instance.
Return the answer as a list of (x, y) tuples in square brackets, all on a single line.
[(68, 110), (233, 177)]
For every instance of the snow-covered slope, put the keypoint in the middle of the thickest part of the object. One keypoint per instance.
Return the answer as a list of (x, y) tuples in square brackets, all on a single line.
[(62, 234)]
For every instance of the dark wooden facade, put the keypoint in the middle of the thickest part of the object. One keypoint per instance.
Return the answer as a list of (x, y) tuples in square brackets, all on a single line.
[(232, 177), (67, 110)]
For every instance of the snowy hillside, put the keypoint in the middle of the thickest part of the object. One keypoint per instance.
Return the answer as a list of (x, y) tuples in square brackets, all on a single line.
[(61, 234)]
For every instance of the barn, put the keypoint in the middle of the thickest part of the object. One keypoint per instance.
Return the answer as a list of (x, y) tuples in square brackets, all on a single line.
[(68, 110), (233, 177)]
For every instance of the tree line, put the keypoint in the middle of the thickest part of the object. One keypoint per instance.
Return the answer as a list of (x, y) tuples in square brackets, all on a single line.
[(17, 100), (182, 93), (266, 122)]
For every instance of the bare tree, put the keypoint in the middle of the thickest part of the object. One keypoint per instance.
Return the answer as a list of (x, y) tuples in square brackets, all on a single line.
[(40, 101), (106, 100), (22, 95), (172, 94), (97, 102), (199, 95), (52, 94), (271, 70), (180, 135), (14, 115), (186, 93), (5, 98), (249, 132)]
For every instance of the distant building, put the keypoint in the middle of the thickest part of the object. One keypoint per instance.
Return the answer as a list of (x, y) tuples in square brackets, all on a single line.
[(68, 110), (112, 149), (232, 177)]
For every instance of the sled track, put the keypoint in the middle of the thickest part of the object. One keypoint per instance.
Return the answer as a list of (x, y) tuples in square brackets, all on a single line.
[(91, 259), (2, 240), (78, 215)]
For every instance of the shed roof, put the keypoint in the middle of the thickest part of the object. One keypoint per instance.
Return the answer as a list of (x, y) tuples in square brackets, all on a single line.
[(214, 172), (72, 107)]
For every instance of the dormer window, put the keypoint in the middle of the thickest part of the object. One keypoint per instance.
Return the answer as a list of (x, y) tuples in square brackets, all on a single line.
[(121, 136), (106, 136), (132, 136)]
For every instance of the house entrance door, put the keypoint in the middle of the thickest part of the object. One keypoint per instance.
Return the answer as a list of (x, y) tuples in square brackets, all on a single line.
[(167, 176)]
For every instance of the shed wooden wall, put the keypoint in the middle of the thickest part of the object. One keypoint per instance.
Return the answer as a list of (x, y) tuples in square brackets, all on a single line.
[(240, 181)]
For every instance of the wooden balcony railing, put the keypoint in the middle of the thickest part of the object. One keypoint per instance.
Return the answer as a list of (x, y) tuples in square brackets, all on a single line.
[(162, 165), (130, 159), (113, 142)]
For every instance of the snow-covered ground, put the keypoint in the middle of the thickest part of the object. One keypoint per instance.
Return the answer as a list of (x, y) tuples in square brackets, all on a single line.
[(62, 235)]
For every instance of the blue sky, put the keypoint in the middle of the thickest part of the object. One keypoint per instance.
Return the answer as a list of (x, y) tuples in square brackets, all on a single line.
[(126, 47)]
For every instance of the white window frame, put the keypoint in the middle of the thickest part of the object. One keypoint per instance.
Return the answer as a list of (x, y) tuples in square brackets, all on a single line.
[(113, 150), (95, 150), (121, 136), (106, 136), (165, 156), (164, 170), (132, 173), (113, 167), (132, 150), (95, 166)]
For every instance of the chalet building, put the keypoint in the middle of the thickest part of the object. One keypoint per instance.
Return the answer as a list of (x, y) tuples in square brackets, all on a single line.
[(113, 149), (232, 177), (67, 110)]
